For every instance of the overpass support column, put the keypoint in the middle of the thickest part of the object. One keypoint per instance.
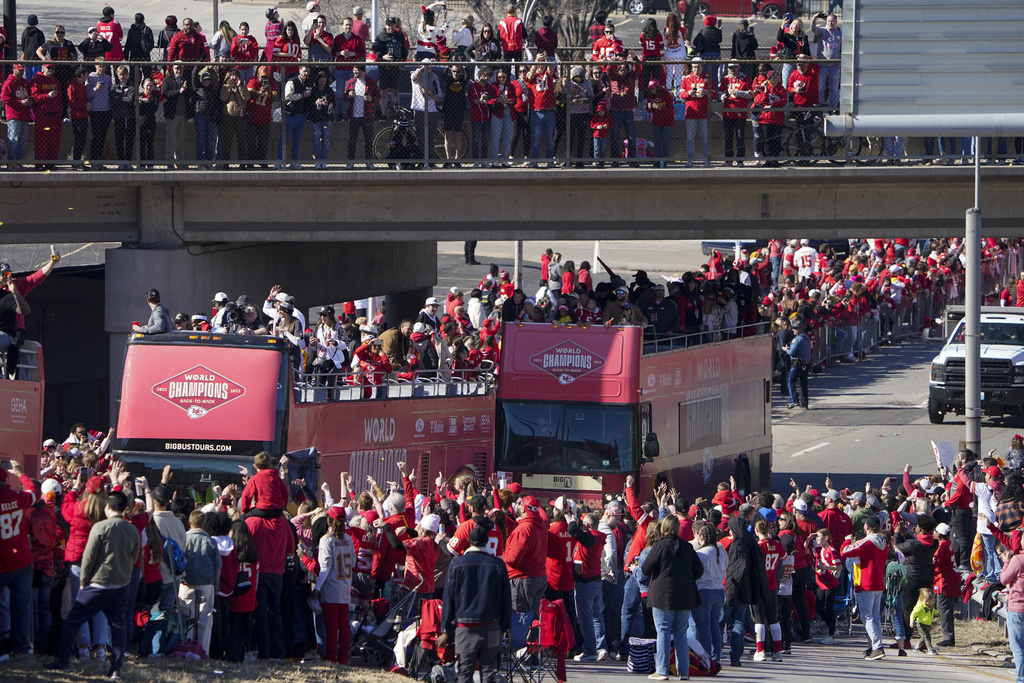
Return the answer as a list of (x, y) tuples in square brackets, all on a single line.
[(314, 273)]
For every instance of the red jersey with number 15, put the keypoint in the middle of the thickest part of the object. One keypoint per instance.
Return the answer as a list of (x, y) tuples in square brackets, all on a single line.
[(364, 545), (773, 554)]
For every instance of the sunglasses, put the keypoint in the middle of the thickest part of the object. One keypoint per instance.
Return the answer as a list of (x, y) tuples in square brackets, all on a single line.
[(59, 33)]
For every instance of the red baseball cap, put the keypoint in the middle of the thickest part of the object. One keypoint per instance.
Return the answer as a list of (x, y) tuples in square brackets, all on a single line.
[(515, 487), (530, 503)]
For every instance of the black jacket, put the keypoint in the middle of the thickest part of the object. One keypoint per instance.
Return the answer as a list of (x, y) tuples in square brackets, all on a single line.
[(122, 99), (139, 43), (746, 582), (674, 568), (92, 49), (744, 45), (171, 90), (206, 100), (392, 44), (708, 41), (919, 558), (476, 590)]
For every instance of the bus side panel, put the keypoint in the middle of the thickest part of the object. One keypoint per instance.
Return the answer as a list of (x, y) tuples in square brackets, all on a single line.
[(369, 438), (708, 410), (21, 423)]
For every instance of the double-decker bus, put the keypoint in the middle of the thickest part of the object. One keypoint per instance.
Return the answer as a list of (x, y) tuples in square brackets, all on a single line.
[(580, 408), (21, 410)]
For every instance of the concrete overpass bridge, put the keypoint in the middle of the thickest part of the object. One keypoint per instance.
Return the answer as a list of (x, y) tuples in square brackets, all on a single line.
[(336, 236), (168, 209)]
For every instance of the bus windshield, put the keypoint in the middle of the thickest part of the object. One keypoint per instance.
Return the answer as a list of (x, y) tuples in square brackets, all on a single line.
[(566, 437)]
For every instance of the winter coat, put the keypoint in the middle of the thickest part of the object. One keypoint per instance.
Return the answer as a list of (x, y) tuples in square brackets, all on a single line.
[(746, 582), (673, 568)]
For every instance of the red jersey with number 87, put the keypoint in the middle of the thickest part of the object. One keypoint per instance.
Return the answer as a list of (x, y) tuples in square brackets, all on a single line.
[(773, 555), (15, 549)]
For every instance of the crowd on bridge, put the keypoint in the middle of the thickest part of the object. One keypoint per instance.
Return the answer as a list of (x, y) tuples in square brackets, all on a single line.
[(97, 564), (234, 92)]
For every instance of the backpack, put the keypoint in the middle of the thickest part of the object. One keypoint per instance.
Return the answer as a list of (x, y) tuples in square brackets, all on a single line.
[(176, 558)]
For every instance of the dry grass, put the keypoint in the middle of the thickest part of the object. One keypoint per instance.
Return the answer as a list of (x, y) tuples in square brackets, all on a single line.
[(181, 671), (972, 633)]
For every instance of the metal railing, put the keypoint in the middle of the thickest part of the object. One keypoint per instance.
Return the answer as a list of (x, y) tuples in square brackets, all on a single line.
[(264, 134), (359, 385)]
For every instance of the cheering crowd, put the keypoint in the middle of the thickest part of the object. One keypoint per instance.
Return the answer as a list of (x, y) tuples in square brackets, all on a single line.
[(278, 566), (231, 91)]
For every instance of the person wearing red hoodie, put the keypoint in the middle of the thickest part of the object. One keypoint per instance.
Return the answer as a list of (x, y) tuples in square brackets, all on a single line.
[(869, 555), (16, 554), (47, 106), (79, 111), (526, 557), (265, 490), (591, 563), (16, 96), (632, 606)]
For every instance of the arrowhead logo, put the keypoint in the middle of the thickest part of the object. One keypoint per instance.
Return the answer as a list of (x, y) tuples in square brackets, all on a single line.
[(567, 362), (198, 391)]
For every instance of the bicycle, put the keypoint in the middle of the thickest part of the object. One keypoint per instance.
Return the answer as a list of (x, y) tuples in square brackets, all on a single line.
[(809, 141), (396, 113)]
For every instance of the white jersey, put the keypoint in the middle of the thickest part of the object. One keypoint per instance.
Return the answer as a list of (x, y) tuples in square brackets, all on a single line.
[(805, 260)]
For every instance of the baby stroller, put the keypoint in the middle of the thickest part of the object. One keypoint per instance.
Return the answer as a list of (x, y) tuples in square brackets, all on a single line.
[(378, 624), (895, 577)]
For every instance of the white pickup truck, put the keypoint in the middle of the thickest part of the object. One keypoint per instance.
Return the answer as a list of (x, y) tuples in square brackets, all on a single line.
[(1002, 366)]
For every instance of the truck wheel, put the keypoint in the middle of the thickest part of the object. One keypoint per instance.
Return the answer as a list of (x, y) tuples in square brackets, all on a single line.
[(934, 414)]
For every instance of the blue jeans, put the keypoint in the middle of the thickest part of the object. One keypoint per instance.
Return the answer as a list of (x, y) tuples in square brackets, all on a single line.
[(708, 620), (41, 605), (98, 622), (776, 269), (828, 86), (695, 127), (600, 148), (662, 139), (206, 132), (671, 625), (1015, 627), (17, 135), (632, 614), (870, 605), (946, 146), (716, 71), (737, 614), (19, 585), (90, 603), (501, 136), (295, 126), (992, 564), (5, 342), (622, 124), (321, 139), (589, 608), (481, 137), (542, 123), (268, 629)]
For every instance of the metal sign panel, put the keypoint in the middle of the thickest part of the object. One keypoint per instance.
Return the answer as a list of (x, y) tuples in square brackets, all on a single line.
[(931, 67)]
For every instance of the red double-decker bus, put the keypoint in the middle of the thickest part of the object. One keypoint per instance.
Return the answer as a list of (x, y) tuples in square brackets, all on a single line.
[(206, 403), (580, 408), (577, 409)]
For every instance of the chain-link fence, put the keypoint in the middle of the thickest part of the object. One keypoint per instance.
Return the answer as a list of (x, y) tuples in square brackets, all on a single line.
[(321, 115)]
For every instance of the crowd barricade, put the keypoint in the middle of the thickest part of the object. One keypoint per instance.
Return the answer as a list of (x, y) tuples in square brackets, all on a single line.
[(358, 385), (325, 132)]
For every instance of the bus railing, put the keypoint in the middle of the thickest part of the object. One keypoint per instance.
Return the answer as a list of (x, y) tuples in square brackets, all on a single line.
[(662, 343), (360, 385)]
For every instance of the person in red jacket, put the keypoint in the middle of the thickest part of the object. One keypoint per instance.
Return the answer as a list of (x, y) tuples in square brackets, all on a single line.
[(46, 535), (188, 45), (262, 95), (360, 93), (81, 509), (479, 97), (948, 584), (274, 541), (608, 47), (735, 92), (244, 48), (526, 557), (803, 85), (459, 543), (589, 600), (512, 34), (374, 364), (696, 90), (16, 94), (79, 112), (771, 100), (46, 106), (347, 49), (869, 555), (396, 513), (288, 48), (16, 554), (265, 490)]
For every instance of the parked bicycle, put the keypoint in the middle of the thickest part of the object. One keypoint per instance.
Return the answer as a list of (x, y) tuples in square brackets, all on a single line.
[(398, 115), (806, 143)]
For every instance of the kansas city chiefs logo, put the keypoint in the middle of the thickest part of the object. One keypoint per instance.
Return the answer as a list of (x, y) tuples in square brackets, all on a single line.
[(198, 391), (567, 362)]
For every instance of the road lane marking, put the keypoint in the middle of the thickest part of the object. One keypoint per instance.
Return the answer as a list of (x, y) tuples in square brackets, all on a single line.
[(808, 450)]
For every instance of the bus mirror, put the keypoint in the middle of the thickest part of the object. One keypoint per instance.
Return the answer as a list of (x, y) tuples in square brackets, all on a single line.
[(651, 447)]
